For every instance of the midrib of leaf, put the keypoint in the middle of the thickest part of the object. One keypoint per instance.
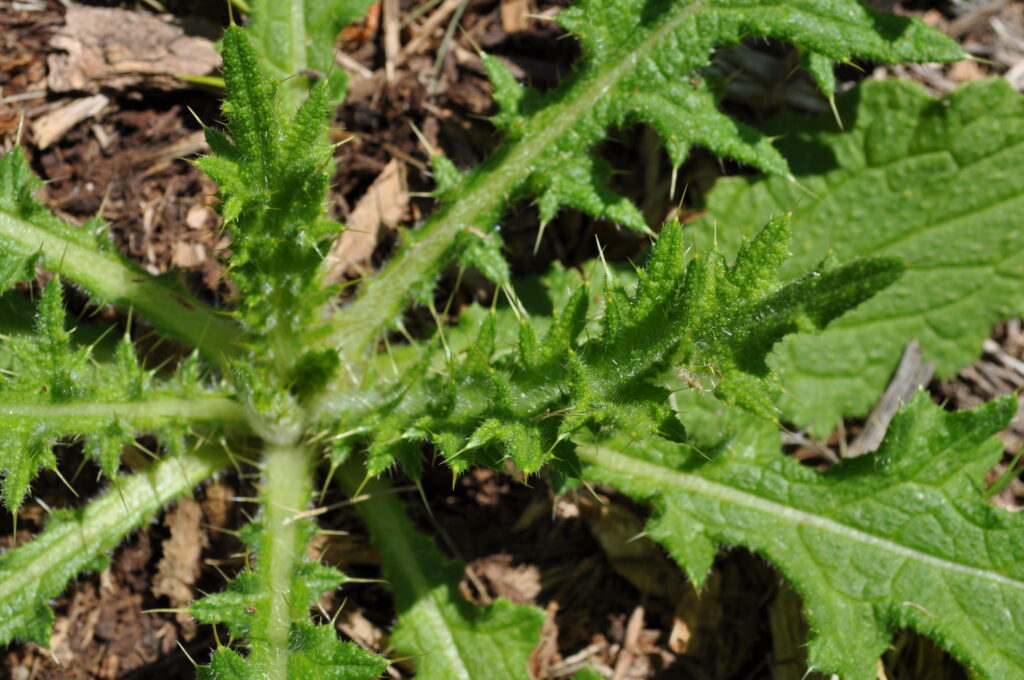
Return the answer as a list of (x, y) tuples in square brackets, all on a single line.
[(385, 295), (180, 315), (614, 460), (55, 556), (384, 514), (219, 409)]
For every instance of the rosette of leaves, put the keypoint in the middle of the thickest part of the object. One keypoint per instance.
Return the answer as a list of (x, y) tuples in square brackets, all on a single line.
[(294, 372)]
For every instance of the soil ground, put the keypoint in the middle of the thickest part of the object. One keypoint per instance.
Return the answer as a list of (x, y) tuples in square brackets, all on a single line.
[(571, 556)]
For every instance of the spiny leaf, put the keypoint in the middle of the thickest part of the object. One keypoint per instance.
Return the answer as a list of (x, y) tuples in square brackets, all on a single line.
[(705, 316), (483, 251), (646, 57), (268, 603), (899, 538), (30, 235), (447, 178), (934, 181), (314, 652), (17, 186), (642, 64), (272, 176), (52, 390)]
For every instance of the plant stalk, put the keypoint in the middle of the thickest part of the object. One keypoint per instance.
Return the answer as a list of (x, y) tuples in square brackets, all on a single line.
[(202, 409), (417, 585), (286, 491)]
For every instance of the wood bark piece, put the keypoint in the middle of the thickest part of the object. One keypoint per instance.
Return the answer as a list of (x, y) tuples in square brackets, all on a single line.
[(515, 15), (177, 570), (912, 374), (974, 19), (384, 203), (50, 128), (115, 49)]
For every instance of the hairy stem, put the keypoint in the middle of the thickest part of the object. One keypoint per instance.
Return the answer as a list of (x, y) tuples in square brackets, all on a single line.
[(202, 409), (286, 492), (38, 571), (111, 280)]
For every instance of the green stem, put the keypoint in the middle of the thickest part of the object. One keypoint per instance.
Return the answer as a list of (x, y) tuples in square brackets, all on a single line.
[(202, 409), (110, 279), (411, 566), (484, 193), (75, 541), (286, 491)]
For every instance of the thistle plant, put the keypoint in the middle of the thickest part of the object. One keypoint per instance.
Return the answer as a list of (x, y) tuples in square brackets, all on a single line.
[(600, 388)]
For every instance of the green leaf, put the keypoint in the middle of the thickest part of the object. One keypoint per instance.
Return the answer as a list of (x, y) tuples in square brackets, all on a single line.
[(273, 182), (78, 540), (447, 637), (642, 64), (316, 654), (294, 40), (483, 251), (52, 390), (938, 182), (587, 674), (658, 84), (899, 538), (704, 317)]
